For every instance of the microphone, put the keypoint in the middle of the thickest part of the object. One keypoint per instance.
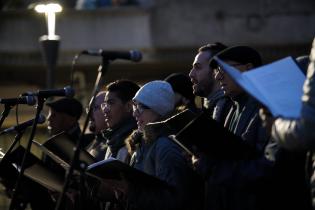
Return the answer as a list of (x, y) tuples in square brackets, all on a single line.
[(132, 55), (24, 125), (29, 100), (66, 91)]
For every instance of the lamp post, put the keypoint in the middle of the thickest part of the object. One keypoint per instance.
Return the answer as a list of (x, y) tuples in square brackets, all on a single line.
[(49, 43)]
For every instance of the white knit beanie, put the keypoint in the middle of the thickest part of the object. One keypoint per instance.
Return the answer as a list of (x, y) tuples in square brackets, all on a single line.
[(158, 95)]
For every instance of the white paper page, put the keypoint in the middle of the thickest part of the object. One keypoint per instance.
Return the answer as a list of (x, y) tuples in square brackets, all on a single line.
[(242, 81), (101, 162), (281, 83)]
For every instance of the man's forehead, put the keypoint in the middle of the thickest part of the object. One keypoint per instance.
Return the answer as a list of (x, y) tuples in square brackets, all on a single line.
[(203, 56), (55, 112), (110, 95), (100, 98)]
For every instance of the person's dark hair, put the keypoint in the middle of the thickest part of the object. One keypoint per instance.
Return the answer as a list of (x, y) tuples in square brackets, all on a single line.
[(214, 48), (125, 89), (181, 84)]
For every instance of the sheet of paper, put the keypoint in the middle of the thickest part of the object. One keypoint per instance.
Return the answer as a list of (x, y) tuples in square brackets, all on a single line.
[(278, 85), (281, 83)]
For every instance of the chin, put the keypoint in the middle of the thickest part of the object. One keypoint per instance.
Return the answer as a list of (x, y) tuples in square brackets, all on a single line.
[(198, 93)]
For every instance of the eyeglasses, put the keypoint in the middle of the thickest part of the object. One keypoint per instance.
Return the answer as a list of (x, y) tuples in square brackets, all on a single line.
[(139, 108), (103, 105), (219, 72)]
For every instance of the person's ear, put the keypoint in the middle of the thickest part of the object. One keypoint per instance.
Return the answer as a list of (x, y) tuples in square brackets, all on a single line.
[(249, 66), (129, 106)]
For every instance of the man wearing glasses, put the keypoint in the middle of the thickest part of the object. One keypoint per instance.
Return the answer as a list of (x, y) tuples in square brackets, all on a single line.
[(97, 125), (236, 184)]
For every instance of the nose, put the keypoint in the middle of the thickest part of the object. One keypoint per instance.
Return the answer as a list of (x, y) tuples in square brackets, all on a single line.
[(191, 73)]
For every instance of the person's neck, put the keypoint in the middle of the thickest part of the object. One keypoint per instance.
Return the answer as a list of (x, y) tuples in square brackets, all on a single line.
[(123, 122), (72, 127), (216, 87), (239, 97)]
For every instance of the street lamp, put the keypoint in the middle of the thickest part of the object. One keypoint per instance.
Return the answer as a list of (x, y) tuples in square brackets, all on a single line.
[(50, 11), (50, 42)]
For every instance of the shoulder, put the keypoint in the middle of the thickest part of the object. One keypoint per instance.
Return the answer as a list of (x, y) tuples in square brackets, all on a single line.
[(165, 147), (164, 142), (123, 154)]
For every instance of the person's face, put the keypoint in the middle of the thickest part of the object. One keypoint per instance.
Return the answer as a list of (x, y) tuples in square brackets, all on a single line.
[(144, 115), (229, 87), (97, 122), (115, 111), (201, 75), (56, 122)]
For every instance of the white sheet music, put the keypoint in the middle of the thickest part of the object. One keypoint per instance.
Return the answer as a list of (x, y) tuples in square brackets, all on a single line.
[(278, 86)]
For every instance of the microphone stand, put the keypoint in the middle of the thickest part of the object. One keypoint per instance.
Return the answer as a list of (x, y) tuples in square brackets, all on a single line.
[(102, 69), (5, 113), (17, 138), (27, 151)]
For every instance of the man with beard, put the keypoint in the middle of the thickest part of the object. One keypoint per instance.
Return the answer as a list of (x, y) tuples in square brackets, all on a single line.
[(204, 84)]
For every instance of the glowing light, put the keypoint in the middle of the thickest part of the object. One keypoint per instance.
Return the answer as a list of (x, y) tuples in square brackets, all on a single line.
[(49, 10)]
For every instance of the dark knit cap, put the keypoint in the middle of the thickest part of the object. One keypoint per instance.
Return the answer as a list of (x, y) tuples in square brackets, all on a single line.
[(181, 83), (240, 54), (69, 106)]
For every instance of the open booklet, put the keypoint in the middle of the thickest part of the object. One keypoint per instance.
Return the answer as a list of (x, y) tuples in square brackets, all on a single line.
[(205, 135), (113, 169), (45, 176), (34, 170), (278, 85), (59, 148)]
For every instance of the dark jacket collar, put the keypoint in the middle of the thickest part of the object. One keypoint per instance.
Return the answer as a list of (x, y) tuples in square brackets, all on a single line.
[(116, 136)]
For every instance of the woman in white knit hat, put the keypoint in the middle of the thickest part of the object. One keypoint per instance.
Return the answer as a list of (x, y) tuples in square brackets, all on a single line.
[(154, 101), (158, 156)]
